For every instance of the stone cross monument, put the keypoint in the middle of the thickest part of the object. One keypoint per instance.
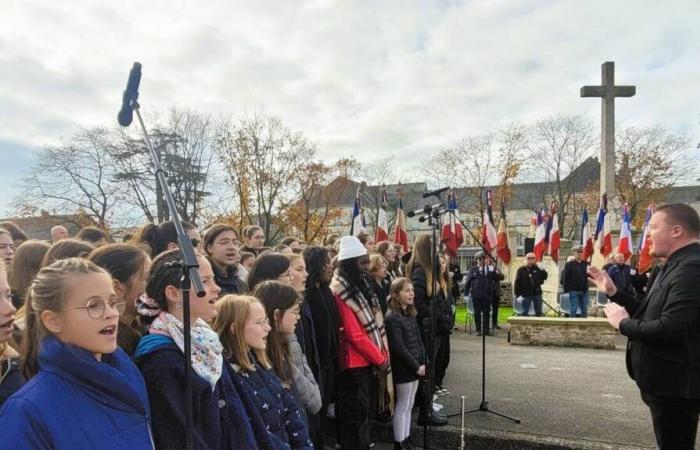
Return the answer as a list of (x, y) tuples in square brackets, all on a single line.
[(608, 91)]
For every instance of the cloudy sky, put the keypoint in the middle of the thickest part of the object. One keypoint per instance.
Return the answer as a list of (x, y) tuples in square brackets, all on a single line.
[(367, 78)]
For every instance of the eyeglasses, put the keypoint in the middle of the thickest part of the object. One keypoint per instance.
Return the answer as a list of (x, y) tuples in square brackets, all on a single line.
[(96, 307), (262, 323), (296, 312)]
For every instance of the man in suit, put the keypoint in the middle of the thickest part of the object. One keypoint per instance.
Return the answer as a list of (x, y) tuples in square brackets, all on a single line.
[(663, 328)]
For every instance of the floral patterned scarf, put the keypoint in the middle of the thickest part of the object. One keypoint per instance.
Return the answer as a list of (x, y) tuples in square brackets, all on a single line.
[(207, 358)]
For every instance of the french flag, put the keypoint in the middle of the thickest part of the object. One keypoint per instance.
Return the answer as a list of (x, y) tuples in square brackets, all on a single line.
[(452, 230), (603, 237), (358, 220), (488, 232), (541, 235), (382, 231), (624, 243), (554, 236), (645, 258), (586, 237)]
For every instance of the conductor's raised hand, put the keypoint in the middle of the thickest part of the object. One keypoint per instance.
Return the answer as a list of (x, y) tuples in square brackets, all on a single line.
[(602, 281)]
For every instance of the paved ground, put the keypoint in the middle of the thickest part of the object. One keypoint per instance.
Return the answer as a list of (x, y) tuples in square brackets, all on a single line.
[(564, 392)]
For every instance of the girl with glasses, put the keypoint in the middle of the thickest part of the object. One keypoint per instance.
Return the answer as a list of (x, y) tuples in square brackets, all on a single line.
[(243, 326), (83, 391), (129, 266)]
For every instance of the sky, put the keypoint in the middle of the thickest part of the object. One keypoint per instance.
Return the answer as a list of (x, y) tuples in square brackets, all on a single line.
[(363, 78)]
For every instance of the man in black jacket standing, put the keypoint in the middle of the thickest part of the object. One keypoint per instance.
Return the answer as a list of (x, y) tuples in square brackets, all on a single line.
[(482, 281), (528, 285), (663, 328), (576, 283)]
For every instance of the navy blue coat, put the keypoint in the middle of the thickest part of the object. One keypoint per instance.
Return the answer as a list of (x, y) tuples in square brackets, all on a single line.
[(277, 406), (10, 379), (220, 420), (77, 402)]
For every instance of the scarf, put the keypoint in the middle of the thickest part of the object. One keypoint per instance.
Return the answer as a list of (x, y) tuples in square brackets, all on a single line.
[(373, 324), (207, 359)]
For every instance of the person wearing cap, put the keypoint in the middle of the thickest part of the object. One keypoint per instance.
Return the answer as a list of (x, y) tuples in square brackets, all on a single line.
[(528, 285), (576, 283), (363, 343), (482, 282)]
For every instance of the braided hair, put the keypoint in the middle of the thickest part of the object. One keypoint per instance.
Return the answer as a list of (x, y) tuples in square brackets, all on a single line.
[(165, 271)]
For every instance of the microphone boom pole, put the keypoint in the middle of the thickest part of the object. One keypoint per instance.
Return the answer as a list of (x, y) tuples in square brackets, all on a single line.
[(190, 275)]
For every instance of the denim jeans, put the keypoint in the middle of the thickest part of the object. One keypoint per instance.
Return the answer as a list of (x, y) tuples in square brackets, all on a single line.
[(536, 300), (578, 300)]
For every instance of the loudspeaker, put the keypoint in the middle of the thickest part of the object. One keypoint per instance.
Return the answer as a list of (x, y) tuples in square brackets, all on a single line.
[(529, 245)]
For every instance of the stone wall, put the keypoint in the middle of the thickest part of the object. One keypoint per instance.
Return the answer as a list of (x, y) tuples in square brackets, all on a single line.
[(562, 332)]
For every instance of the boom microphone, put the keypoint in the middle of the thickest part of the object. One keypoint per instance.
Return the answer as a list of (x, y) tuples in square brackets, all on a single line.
[(126, 114), (424, 210), (436, 192)]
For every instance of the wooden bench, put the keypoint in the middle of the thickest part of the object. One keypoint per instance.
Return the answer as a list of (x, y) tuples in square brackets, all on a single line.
[(592, 332)]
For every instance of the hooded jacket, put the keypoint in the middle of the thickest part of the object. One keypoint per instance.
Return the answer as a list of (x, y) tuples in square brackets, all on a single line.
[(77, 402)]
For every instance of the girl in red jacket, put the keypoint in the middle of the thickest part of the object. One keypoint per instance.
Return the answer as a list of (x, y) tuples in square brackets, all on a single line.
[(363, 342)]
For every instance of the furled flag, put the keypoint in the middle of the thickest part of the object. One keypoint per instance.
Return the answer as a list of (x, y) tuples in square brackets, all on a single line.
[(503, 246), (624, 243), (540, 234), (382, 231), (645, 258), (488, 231), (586, 237), (554, 237), (358, 220), (533, 224), (400, 235), (452, 230), (603, 237)]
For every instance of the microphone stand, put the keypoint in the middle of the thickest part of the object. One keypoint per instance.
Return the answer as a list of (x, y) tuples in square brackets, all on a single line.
[(190, 276), (484, 405)]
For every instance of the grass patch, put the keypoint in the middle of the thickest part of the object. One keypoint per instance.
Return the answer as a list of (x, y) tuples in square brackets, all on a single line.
[(503, 313)]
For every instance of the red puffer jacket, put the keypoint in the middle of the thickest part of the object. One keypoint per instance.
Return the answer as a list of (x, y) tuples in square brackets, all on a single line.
[(356, 349)]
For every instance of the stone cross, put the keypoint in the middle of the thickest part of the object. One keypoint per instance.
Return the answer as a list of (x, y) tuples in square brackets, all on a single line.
[(608, 91)]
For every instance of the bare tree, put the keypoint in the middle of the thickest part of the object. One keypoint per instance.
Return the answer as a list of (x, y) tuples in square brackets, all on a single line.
[(649, 161), (76, 176), (557, 148), (184, 145), (374, 175), (261, 157)]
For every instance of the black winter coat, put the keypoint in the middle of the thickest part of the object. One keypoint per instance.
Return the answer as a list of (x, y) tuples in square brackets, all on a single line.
[(575, 276), (405, 346), (528, 281), (381, 290), (228, 281), (326, 322), (11, 378), (663, 347), (443, 320)]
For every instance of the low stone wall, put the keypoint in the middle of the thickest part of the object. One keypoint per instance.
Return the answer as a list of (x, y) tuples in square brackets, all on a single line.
[(562, 332)]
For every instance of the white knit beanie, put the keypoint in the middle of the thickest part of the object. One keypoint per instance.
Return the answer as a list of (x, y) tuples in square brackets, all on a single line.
[(350, 247)]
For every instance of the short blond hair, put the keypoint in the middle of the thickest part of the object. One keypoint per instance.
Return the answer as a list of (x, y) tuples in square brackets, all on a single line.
[(232, 314)]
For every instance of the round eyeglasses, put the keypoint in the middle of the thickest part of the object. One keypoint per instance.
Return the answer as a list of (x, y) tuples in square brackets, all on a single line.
[(95, 307)]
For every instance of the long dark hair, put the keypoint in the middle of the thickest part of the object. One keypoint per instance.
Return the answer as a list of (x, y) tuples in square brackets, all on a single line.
[(122, 261), (349, 270), (276, 296), (268, 266), (157, 237), (316, 259)]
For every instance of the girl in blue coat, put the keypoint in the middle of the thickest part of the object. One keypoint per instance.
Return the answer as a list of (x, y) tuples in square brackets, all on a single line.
[(221, 419), (243, 326), (83, 391)]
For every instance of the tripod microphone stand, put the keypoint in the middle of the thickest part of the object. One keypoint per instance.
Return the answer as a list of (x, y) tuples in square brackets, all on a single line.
[(484, 405)]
